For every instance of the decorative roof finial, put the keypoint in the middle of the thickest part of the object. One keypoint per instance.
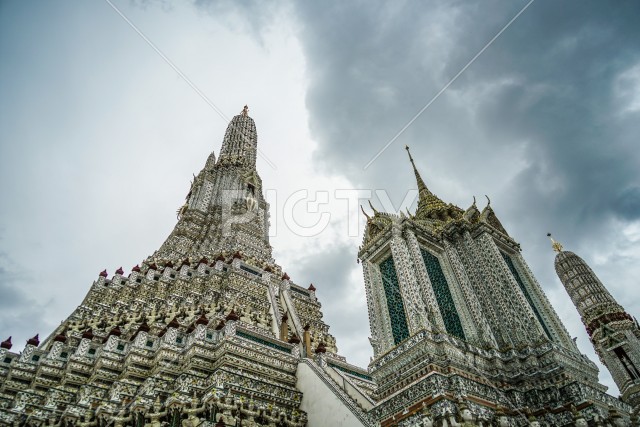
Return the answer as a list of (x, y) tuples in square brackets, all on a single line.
[(474, 201), (488, 200), (371, 206), (423, 191), (365, 214), (555, 245), (245, 111)]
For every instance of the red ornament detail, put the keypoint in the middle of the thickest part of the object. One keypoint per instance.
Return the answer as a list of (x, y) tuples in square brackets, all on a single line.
[(294, 339), (34, 341), (174, 323), (144, 327), (6, 344), (103, 273), (232, 316), (61, 337)]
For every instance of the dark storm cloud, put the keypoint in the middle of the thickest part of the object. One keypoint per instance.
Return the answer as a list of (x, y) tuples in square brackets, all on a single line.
[(628, 204), (544, 94)]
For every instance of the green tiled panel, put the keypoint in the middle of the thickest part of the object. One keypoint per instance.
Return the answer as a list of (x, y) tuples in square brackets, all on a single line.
[(516, 276), (443, 295), (395, 306)]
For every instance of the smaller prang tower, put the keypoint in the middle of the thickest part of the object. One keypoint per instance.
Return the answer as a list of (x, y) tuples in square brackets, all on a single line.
[(460, 327), (614, 333)]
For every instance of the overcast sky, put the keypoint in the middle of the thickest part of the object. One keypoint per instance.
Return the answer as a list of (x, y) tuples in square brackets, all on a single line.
[(100, 135)]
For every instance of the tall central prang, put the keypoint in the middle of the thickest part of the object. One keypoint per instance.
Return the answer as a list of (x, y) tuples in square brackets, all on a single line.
[(208, 331), (225, 209)]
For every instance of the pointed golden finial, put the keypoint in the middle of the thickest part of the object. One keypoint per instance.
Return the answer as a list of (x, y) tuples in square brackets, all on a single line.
[(555, 245), (245, 111), (423, 191), (365, 214)]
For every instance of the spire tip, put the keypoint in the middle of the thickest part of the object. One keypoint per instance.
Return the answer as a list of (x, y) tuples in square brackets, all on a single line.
[(406, 147), (557, 246)]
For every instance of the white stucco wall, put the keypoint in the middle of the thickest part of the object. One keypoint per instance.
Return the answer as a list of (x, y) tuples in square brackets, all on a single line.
[(323, 407)]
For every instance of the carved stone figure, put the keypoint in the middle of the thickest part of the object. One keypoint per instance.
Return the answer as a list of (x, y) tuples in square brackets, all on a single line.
[(250, 412), (192, 418), (427, 418), (227, 406)]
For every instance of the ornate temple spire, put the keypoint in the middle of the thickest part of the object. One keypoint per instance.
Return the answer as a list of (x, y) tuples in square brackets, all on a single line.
[(423, 191), (431, 206), (613, 332), (240, 141), (224, 209)]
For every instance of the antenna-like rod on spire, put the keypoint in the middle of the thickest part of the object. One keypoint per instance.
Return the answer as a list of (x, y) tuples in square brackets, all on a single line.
[(406, 147), (555, 245), (423, 191)]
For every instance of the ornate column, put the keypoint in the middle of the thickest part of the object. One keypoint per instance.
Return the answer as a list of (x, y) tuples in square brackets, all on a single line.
[(426, 289), (415, 309), (482, 331)]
